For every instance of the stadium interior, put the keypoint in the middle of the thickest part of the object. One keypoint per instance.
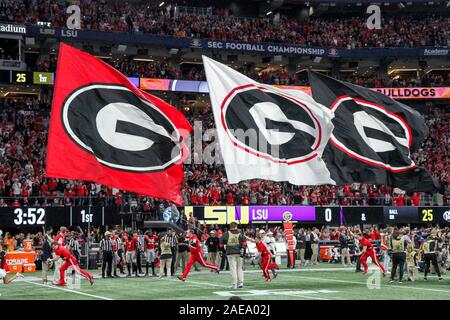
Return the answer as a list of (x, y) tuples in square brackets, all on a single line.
[(159, 46)]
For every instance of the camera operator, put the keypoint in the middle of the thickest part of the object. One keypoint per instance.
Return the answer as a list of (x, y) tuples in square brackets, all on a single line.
[(398, 243), (234, 244), (430, 248)]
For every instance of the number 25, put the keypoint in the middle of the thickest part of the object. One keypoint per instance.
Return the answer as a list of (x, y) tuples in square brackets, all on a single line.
[(427, 215)]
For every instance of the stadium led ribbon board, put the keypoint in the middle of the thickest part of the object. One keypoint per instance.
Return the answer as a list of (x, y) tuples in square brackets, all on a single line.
[(202, 87), (328, 215), (32, 217), (150, 84), (260, 214)]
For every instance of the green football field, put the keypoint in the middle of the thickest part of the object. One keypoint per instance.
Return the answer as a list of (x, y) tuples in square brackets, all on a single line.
[(323, 282)]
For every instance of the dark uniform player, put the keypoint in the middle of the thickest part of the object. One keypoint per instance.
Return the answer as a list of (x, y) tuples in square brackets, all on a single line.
[(430, 247), (196, 255)]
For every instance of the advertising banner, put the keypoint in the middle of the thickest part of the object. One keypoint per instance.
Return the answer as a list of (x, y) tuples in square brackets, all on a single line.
[(281, 213), (267, 48), (202, 87), (19, 257)]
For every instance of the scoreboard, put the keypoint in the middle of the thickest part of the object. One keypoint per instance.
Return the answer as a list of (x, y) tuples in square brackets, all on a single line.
[(331, 215), (259, 214), (30, 217), (26, 77)]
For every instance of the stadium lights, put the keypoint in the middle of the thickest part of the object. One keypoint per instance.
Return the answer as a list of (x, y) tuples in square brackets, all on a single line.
[(143, 59), (448, 4), (269, 13), (161, 4)]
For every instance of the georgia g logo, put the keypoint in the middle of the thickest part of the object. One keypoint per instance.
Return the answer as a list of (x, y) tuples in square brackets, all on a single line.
[(270, 125), (383, 138), (120, 129)]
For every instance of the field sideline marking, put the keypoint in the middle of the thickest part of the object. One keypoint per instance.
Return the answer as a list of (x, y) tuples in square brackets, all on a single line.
[(203, 284), (68, 290), (363, 283)]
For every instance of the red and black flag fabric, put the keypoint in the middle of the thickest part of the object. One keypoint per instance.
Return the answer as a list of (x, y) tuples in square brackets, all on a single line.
[(106, 130), (373, 136)]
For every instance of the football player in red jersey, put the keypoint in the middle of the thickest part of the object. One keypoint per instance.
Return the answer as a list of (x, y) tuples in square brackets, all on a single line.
[(131, 244), (150, 242), (69, 261), (60, 238), (368, 251), (266, 258), (195, 256)]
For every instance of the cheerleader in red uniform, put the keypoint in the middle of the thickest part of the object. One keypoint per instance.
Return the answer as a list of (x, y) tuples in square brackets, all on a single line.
[(266, 258)]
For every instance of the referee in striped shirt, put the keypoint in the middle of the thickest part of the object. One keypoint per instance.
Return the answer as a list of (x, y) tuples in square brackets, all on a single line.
[(106, 246), (74, 246), (171, 239)]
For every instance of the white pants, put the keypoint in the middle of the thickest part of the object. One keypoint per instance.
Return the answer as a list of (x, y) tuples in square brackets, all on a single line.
[(58, 263), (386, 260), (150, 255), (130, 257), (236, 269)]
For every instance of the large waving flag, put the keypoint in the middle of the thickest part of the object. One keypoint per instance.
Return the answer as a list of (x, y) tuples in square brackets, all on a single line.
[(373, 136), (104, 129), (265, 132)]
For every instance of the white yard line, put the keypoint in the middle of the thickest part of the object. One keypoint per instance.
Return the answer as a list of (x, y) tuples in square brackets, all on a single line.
[(364, 283), (68, 290), (289, 270), (202, 284), (303, 296)]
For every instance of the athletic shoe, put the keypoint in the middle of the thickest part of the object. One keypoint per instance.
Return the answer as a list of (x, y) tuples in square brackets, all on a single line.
[(61, 284), (217, 271), (391, 281), (233, 287), (275, 275), (91, 281), (440, 278), (400, 282), (181, 278), (241, 286), (425, 279)]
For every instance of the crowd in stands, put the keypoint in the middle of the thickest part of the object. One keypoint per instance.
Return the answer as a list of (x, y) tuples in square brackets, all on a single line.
[(396, 31), (23, 138)]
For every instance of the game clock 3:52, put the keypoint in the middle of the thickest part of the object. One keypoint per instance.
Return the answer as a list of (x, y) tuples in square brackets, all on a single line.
[(29, 216)]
